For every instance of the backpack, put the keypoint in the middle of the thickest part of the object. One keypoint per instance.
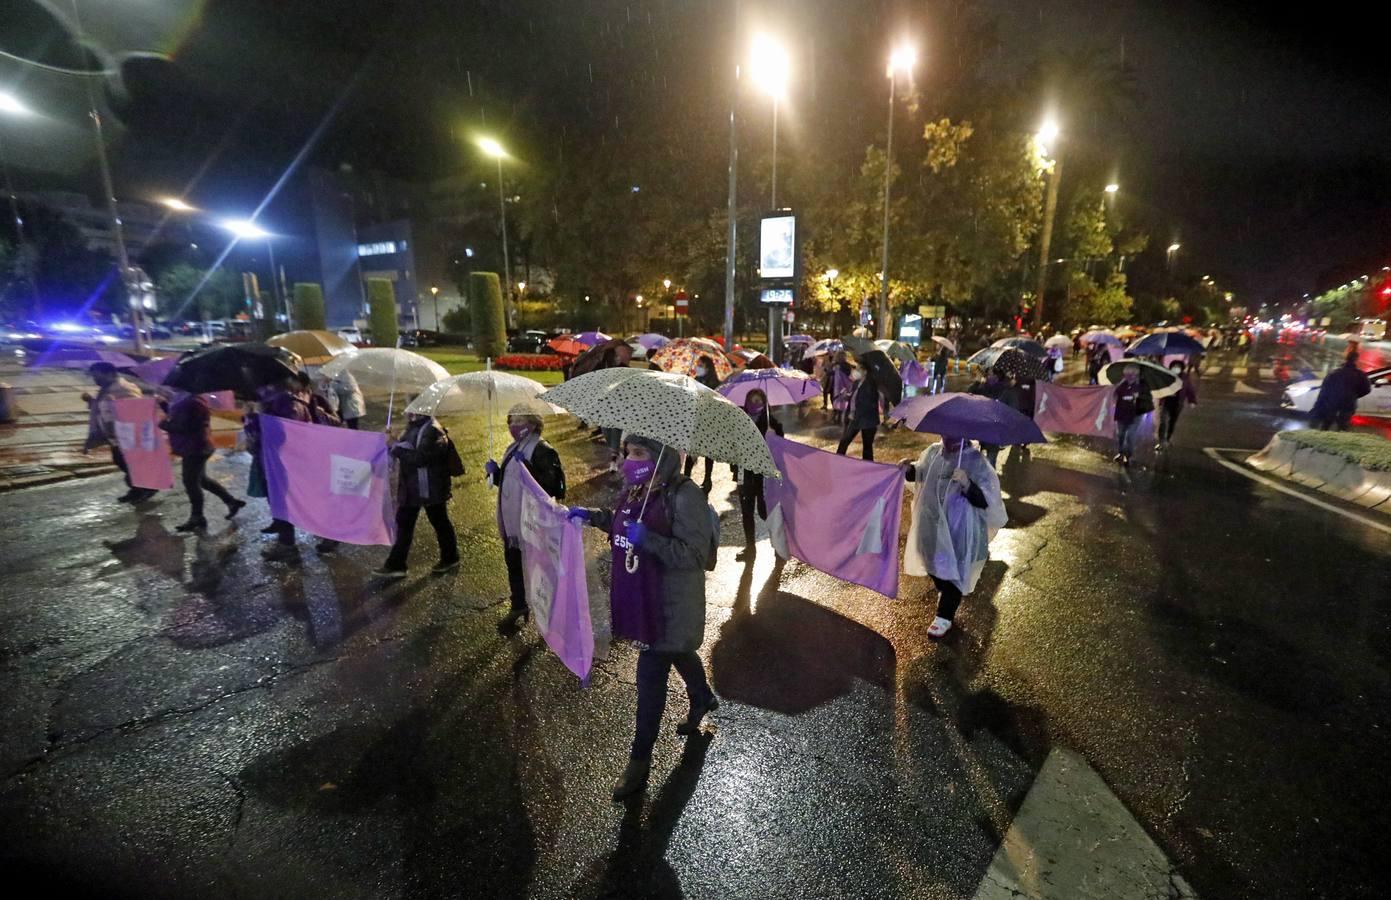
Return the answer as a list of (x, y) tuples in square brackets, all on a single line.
[(453, 463), (712, 552)]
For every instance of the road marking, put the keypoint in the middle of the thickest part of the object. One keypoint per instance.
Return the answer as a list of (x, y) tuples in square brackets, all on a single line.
[(1073, 839), (1242, 388), (1216, 453)]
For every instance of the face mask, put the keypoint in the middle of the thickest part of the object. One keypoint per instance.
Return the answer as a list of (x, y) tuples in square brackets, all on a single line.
[(754, 409), (636, 471), (856, 375), (518, 431), (701, 371)]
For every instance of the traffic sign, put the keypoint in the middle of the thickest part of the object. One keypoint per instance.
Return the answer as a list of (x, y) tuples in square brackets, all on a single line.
[(682, 303)]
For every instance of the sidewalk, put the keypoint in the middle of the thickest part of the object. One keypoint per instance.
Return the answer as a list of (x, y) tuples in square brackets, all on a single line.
[(44, 443)]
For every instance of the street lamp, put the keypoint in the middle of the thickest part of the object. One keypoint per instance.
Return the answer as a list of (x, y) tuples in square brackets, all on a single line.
[(435, 293), (11, 105), (494, 149), (768, 65), (666, 283), (177, 205), (1047, 136), (1112, 188), (901, 61), (248, 230)]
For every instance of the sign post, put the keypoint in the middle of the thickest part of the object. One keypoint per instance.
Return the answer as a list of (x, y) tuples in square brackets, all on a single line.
[(779, 264)]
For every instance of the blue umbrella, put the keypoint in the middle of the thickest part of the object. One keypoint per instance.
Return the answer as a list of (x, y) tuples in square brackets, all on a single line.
[(1166, 343), (968, 416), (782, 387)]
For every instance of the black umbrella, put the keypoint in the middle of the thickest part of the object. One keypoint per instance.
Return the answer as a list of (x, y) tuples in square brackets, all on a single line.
[(1027, 345), (1009, 361), (241, 368), (593, 358), (885, 375)]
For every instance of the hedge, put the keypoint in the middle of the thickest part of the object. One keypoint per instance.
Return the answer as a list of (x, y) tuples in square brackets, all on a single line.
[(309, 306), (489, 318), (1370, 451), (530, 362), (381, 312)]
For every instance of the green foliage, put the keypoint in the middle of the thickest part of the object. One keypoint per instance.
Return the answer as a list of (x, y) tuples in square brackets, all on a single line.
[(309, 306), (219, 292), (489, 319), (54, 263), (458, 321), (1370, 451), (381, 312), (1344, 304), (1090, 303)]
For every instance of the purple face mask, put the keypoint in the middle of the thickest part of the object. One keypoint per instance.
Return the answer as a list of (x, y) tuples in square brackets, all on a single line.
[(636, 471), (518, 430), (754, 408)]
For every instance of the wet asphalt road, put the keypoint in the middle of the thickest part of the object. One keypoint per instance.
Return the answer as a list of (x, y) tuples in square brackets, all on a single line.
[(181, 716)]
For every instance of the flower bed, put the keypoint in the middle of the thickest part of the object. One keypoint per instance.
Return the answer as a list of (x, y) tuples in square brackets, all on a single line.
[(1370, 451), (530, 362)]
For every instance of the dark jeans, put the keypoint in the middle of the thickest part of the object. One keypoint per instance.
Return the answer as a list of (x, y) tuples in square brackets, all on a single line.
[(751, 498), (1125, 437), (949, 598), (866, 439), (516, 581), (653, 670), (196, 481), (406, 516), (351, 423), (992, 453), (118, 459), (690, 467), (1168, 418), (826, 395)]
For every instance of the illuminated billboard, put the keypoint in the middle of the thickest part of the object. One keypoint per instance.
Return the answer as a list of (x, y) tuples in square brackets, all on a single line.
[(777, 247)]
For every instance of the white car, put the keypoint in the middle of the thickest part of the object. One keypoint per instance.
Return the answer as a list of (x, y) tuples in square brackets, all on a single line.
[(1301, 395), (351, 335)]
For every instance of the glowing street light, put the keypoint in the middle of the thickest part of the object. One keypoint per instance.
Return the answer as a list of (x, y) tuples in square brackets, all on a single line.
[(769, 67), (1046, 138), (832, 274), (1174, 248), (902, 59), (1112, 188), (666, 283), (177, 205), (491, 147), (496, 151), (246, 230), (901, 62), (12, 105), (1048, 133)]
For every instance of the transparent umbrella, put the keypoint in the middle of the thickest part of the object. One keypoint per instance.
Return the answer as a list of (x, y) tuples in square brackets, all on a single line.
[(387, 370), (487, 393)]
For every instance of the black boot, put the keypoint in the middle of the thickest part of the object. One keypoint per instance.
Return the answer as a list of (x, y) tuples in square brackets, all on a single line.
[(634, 778), (193, 524), (512, 622)]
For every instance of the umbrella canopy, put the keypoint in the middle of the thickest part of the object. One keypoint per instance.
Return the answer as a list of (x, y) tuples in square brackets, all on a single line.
[(1167, 343), (567, 345), (944, 342), (1009, 361), (1102, 337), (154, 371), (596, 356), (83, 357), (821, 348), (592, 338), (651, 341), (314, 348), (885, 372), (897, 350), (681, 356), (1060, 341), (783, 387), (1128, 334), (240, 368), (799, 339), (382, 369), (673, 409), (742, 359), (1026, 345), (1158, 379), (479, 392), (968, 416)]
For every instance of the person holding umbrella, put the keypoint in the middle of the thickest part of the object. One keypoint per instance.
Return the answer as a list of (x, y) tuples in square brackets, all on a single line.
[(189, 424), (101, 423), (863, 413), (1132, 400), (939, 369), (1173, 404), (663, 541), (423, 452), (751, 484), (543, 462), (993, 387), (344, 397), (705, 374)]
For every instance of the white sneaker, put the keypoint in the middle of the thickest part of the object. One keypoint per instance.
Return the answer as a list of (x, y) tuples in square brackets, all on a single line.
[(939, 627)]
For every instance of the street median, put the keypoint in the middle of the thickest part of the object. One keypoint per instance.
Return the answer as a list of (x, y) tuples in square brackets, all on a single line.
[(1353, 467)]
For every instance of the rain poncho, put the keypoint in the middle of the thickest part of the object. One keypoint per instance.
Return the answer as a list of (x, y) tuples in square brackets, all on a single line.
[(950, 538)]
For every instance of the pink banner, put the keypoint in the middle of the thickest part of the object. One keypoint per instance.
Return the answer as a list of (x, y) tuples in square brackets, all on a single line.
[(1075, 410), (553, 566), (143, 443), (332, 482), (837, 514)]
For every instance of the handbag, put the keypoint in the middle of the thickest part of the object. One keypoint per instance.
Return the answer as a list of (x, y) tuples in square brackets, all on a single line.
[(256, 480)]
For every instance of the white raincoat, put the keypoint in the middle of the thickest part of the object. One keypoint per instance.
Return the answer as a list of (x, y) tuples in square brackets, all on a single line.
[(950, 538)]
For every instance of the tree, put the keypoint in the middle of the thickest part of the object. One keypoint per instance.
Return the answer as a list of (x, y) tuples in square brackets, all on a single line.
[(309, 306), (187, 291), (64, 275), (489, 322), (381, 312)]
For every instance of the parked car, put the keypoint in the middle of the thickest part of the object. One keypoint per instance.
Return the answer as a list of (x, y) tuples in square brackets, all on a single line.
[(527, 342), (1301, 395), (353, 335)]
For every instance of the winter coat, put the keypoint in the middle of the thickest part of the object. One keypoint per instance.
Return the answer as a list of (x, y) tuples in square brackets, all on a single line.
[(864, 405), (348, 396), (423, 454), (544, 466), (683, 556), (1132, 400), (1341, 390), (101, 412), (189, 426)]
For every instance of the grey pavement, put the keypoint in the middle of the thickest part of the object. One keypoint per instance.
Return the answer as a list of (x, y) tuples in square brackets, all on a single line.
[(1210, 657)]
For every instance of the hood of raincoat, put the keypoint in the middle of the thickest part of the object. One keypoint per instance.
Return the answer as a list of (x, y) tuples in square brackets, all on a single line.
[(667, 459), (949, 538)]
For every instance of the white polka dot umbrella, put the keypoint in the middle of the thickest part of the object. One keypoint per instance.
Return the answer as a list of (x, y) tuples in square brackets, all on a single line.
[(673, 409)]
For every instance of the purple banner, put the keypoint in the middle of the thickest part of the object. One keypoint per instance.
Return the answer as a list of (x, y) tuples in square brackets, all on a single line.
[(332, 482), (553, 566), (837, 514)]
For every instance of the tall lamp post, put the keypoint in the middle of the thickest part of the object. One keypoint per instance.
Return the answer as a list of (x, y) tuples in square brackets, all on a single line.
[(1046, 137), (494, 149), (900, 61), (248, 230), (12, 106), (435, 293), (733, 224), (768, 66)]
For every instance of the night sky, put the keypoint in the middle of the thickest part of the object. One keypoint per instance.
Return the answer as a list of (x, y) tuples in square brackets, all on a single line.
[(1261, 139)]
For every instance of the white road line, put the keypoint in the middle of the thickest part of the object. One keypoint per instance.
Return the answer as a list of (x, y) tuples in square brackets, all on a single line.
[(1216, 453)]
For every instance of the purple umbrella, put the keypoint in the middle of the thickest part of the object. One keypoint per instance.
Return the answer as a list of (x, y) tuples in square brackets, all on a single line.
[(648, 342), (783, 387), (799, 339), (592, 338), (83, 357), (968, 416)]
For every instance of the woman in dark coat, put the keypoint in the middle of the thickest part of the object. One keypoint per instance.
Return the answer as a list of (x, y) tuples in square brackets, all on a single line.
[(660, 603), (423, 456), (862, 417), (540, 459), (751, 486), (189, 424), (705, 374)]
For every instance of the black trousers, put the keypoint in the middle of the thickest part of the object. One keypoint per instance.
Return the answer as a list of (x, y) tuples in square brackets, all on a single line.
[(516, 581), (196, 481), (690, 466), (866, 440), (751, 499), (118, 459), (653, 671), (948, 600), (351, 423), (1168, 417), (406, 516)]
